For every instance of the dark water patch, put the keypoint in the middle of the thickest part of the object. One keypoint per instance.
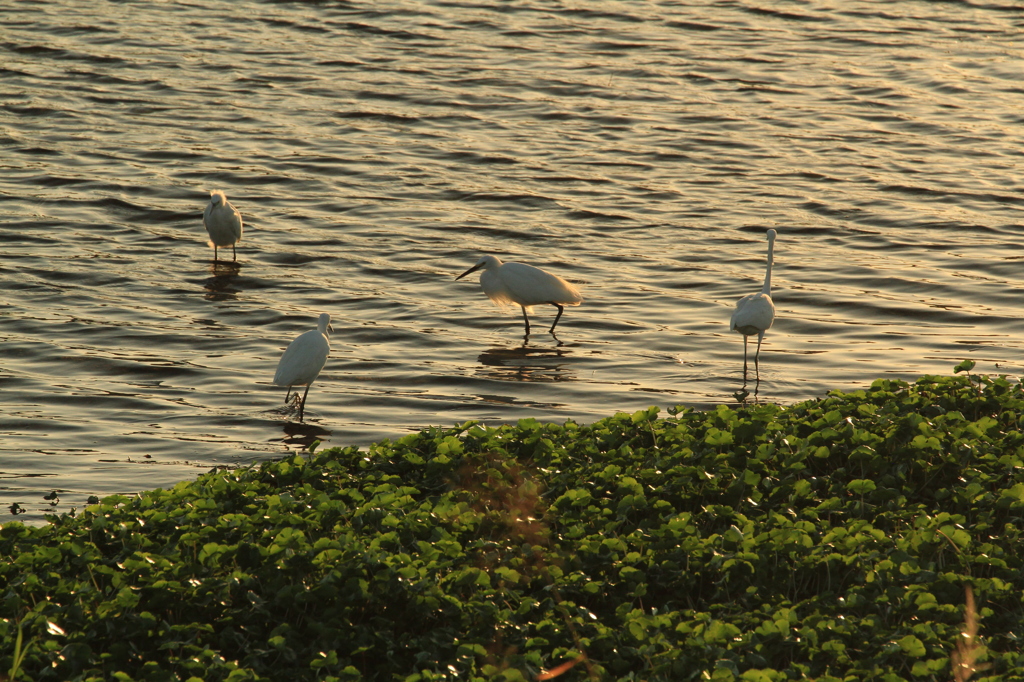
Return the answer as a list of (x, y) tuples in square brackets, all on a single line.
[(74, 277), (33, 50), (558, 88), (951, 195), (613, 47), (789, 16), (19, 424), (170, 155), (82, 29), (36, 112), (580, 214), (39, 151), (862, 40), (810, 175), (118, 101), (136, 212), (693, 26), (267, 79), (85, 401), (594, 13), (623, 163), (351, 62), (54, 181), (92, 77), (525, 200), (556, 116), (12, 76), (244, 178), (398, 34), (284, 23), (378, 116), (572, 179)]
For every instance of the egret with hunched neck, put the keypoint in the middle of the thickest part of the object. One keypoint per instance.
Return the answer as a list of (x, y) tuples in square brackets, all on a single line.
[(303, 360), (507, 283), (223, 223)]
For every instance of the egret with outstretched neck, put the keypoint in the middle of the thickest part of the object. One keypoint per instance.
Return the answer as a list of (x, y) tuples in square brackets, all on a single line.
[(507, 283), (303, 360), (223, 223), (755, 313)]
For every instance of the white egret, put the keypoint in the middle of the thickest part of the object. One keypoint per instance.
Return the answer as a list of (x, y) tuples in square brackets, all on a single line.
[(507, 283), (303, 359), (223, 223), (755, 313)]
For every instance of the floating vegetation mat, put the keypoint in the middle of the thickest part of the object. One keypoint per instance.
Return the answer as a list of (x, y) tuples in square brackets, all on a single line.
[(835, 539)]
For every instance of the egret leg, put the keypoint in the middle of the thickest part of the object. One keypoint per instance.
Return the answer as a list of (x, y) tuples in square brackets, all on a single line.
[(757, 354), (214, 253), (233, 256), (287, 394), (557, 317), (744, 357), (527, 320), (302, 405)]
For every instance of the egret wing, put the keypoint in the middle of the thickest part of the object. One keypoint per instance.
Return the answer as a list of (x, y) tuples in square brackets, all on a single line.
[(223, 223), (530, 286), (303, 360)]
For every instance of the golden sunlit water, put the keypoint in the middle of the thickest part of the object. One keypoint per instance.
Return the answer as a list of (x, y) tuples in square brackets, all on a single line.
[(376, 150)]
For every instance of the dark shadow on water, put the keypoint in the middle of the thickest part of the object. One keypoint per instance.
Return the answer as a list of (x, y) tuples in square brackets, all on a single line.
[(219, 285), (527, 363), (300, 435)]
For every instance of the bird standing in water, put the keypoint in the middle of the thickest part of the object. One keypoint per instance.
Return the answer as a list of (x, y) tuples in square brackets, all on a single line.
[(223, 223), (755, 313), (507, 283), (303, 359)]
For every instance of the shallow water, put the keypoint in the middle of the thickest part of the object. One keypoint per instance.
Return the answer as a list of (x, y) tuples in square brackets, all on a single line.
[(640, 150)]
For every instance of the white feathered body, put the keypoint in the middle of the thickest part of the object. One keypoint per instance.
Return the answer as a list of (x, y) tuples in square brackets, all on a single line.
[(754, 314), (223, 222), (305, 357), (508, 283)]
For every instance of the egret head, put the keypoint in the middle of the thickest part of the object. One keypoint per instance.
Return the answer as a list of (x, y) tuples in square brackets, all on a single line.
[(324, 324), (771, 235), (485, 262), (217, 197)]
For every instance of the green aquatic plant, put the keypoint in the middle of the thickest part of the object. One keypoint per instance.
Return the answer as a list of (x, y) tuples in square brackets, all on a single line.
[(17, 655), (829, 540)]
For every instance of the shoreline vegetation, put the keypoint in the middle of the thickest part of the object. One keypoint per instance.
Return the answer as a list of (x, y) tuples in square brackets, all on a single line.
[(870, 535)]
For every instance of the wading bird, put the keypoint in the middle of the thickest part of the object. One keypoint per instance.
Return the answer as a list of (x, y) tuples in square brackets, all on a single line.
[(755, 313), (223, 223), (507, 283), (303, 359)]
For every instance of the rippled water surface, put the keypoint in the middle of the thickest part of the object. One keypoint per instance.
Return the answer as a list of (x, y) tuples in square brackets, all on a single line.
[(376, 150)]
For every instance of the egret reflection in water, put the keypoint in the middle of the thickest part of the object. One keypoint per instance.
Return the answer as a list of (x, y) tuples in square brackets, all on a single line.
[(527, 363), (300, 435), (220, 285)]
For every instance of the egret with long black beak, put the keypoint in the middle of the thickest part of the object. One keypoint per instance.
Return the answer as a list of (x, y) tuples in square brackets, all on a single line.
[(507, 283)]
